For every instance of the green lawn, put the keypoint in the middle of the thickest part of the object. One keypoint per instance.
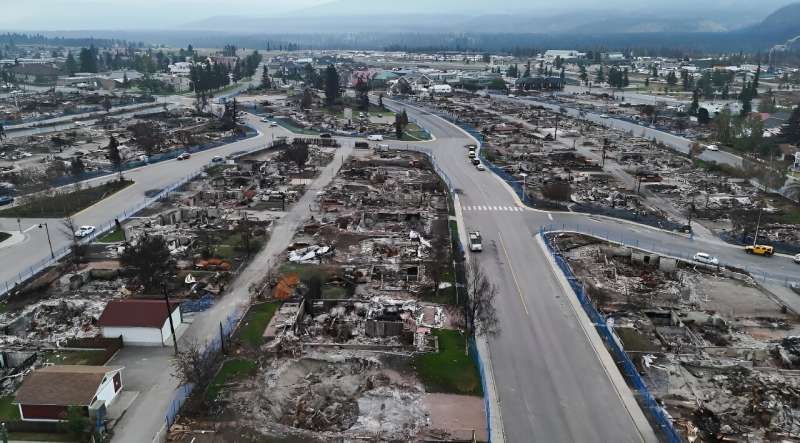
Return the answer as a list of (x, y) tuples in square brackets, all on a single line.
[(414, 132), (112, 236), (251, 332), (8, 411), (231, 370), (65, 204), (90, 357), (450, 370)]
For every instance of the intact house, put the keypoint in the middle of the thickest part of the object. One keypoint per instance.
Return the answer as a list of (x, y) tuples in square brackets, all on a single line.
[(140, 322), (46, 394)]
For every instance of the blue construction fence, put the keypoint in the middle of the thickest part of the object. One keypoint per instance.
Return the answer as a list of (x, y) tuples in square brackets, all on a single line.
[(671, 249), (155, 158), (211, 350), (476, 358), (658, 416), (58, 254)]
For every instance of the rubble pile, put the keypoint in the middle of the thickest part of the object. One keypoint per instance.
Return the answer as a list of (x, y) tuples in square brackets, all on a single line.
[(343, 396), (715, 350)]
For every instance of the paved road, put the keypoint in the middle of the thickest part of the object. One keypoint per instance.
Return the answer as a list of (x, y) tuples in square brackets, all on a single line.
[(541, 353), (21, 256), (550, 383), (151, 367), (673, 141)]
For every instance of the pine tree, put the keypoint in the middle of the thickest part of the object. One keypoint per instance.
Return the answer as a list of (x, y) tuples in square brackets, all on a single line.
[(791, 132), (600, 76), (71, 66), (331, 85)]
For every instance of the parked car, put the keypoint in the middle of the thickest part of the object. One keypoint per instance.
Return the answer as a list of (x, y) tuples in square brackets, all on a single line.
[(795, 286), (702, 257), (273, 124), (712, 148), (796, 259), (84, 231), (264, 120), (764, 250), (324, 135), (217, 159), (375, 138), (6, 200), (476, 162), (184, 156)]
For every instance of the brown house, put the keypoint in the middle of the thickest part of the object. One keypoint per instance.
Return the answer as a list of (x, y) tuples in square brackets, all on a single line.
[(47, 393)]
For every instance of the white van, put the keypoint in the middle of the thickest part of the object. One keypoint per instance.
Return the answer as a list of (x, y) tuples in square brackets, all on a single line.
[(375, 138)]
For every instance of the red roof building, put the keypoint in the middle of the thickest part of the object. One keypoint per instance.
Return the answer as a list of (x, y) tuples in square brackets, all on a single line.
[(140, 322)]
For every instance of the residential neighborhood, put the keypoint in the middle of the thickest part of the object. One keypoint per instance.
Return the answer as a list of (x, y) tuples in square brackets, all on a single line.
[(332, 221)]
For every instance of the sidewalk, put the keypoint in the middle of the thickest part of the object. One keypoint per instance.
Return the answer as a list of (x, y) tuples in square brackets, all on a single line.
[(144, 421)]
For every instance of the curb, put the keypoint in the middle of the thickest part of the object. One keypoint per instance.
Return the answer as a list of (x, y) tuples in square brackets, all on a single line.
[(625, 394), (498, 434)]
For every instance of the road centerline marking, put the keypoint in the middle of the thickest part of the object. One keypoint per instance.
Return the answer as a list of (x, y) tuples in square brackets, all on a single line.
[(513, 274)]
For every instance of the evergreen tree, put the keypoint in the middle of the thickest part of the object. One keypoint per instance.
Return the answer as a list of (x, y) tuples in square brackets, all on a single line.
[(331, 85), (71, 66), (625, 81), (695, 106), (600, 76), (791, 132), (88, 59), (307, 100), (672, 80), (583, 75)]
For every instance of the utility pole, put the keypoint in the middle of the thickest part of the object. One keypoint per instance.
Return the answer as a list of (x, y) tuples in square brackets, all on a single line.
[(758, 225), (169, 316), (47, 230)]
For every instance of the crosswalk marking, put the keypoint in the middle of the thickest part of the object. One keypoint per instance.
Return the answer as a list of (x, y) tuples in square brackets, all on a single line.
[(492, 208)]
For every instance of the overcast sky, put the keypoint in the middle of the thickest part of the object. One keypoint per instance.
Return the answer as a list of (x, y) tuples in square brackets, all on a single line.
[(164, 14)]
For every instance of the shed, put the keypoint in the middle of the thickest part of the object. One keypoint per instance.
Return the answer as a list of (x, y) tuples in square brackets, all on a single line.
[(47, 393), (139, 322)]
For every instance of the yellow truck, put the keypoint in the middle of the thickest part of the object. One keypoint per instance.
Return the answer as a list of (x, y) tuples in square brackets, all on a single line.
[(759, 250)]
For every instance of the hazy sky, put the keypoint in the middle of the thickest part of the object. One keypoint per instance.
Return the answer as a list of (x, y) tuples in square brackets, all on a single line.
[(165, 14)]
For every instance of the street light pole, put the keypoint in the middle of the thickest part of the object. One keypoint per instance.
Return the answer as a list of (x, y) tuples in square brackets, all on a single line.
[(47, 230)]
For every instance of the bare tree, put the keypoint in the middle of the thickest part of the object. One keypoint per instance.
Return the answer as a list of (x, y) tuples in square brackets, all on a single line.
[(194, 364), (69, 227), (480, 316)]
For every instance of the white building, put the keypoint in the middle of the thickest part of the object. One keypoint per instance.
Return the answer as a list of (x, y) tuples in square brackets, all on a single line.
[(140, 322), (563, 54), (180, 68)]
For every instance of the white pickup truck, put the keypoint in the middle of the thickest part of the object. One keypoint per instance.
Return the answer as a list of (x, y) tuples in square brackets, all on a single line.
[(475, 244)]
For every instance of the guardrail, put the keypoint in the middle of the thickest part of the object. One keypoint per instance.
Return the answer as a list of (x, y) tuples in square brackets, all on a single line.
[(657, 414)]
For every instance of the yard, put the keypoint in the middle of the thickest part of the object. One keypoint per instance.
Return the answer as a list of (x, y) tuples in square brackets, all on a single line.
[(89, 357), (255, 322), (65, 204), (8, 411), (450, 370), (231, 370), (112, 236)]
